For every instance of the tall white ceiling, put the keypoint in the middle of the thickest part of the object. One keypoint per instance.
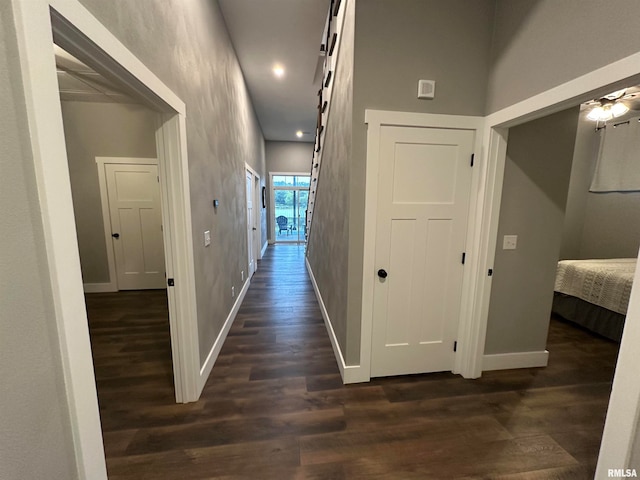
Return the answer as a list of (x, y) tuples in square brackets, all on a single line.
[(287, 32)]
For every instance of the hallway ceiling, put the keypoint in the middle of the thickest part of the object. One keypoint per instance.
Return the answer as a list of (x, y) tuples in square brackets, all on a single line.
[(285, 32)]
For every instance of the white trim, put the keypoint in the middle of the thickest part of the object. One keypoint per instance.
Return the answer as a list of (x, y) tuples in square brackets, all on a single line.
[(349, 373), (264, 248), (375, 120), (171, 141), (624, 404), (106, 213), (205, 371), (73, 25), (108, 287), (505, 361)]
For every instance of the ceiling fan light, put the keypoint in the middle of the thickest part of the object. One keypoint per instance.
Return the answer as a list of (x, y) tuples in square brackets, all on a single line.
[(618, 109), (595, 114)]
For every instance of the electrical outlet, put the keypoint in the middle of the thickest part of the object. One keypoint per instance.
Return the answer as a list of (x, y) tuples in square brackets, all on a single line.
[(233, 291), (207, 238), (242, 275), (509, 242)]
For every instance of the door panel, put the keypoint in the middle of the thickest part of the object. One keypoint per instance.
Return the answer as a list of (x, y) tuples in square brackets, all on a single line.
[(134, 206), (423, 201), (250, 225)]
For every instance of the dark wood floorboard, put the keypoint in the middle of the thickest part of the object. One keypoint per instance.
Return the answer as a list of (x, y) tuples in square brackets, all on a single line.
[(275, 407)]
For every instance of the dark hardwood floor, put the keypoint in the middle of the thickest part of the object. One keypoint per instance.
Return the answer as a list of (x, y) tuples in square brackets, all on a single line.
[(275, 407)]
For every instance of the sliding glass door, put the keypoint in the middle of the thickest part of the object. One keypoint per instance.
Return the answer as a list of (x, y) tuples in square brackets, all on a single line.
[(290, 198)]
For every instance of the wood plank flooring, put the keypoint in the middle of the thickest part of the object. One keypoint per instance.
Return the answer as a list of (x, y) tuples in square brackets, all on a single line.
[(275, 407)]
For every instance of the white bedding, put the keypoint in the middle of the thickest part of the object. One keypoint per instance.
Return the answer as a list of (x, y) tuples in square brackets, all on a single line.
[(606, 283)]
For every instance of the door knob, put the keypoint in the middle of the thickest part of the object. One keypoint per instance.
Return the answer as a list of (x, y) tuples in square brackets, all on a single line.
[(254, 228), (382, 273), (115, 235)]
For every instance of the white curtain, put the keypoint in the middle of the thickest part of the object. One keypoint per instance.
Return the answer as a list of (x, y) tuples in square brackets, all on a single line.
[(618, 167)]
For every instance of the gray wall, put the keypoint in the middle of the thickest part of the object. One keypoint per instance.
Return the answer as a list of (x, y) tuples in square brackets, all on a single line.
[(193, 55), (398, 42), (597, 225), (328, 243), (100, 130), (35, 442), (289, 156), (539, 44), (286, 157), (534, 195)]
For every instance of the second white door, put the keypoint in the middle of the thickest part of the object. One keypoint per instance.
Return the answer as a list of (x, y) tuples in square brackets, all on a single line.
[(250, 224), (136, 225), (423, 203)]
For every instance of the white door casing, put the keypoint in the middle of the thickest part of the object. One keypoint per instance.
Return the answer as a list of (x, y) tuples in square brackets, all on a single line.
[(250, 223), (257, 231), (424, 183), (135, 214)]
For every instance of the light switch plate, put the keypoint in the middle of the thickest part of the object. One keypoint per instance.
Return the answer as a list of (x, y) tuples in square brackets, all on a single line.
[(207, 238), (509, 242)]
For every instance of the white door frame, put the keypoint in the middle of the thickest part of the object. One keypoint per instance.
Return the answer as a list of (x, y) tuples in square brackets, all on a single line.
[(257, 212), (251, 260), (112, 285), (36, 21), (375, 120), (257, 200)]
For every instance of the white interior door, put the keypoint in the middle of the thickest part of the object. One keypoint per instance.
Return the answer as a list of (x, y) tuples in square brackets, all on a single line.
[(257, 231), (423, 202), (136, 225), (250, 224)]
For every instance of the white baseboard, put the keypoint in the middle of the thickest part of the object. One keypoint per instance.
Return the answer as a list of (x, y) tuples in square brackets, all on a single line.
[(506, 361), (100, 287), (271, 242), (349, 373), (264, 248), (222, 336)]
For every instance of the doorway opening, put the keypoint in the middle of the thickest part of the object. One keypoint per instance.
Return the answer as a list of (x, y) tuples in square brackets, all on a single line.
[(289, 197), (254, 216)]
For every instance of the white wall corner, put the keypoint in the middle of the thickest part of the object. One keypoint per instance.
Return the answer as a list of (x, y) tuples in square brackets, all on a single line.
[(206, 368), (507, 361), (349, 373)]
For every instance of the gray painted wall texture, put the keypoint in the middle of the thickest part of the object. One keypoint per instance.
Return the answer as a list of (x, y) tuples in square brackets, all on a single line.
[(192, 53), (329, 237), (100, 130), (36, 435), (397, 43), (534, 195), (539, 44), (597, 225), (286, 157)]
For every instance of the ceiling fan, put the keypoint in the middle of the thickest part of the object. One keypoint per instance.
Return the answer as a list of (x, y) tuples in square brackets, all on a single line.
[(614, 104)]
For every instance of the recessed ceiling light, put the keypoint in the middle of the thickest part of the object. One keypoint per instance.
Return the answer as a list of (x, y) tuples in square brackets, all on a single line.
[(299, 134), (278, 71)]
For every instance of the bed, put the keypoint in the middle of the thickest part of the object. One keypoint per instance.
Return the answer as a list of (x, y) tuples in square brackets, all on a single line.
[(595, 293)]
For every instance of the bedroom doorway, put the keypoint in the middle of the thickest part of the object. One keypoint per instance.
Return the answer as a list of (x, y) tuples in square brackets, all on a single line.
[(546, 190)]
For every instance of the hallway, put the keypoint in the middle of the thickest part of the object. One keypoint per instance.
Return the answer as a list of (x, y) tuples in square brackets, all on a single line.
[(275, 407)]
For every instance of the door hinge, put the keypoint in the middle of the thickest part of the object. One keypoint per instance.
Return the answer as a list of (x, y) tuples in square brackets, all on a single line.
[(472, 157), (455, 346), (170, 282), (158, 177), (464, 255), (490, 272)]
